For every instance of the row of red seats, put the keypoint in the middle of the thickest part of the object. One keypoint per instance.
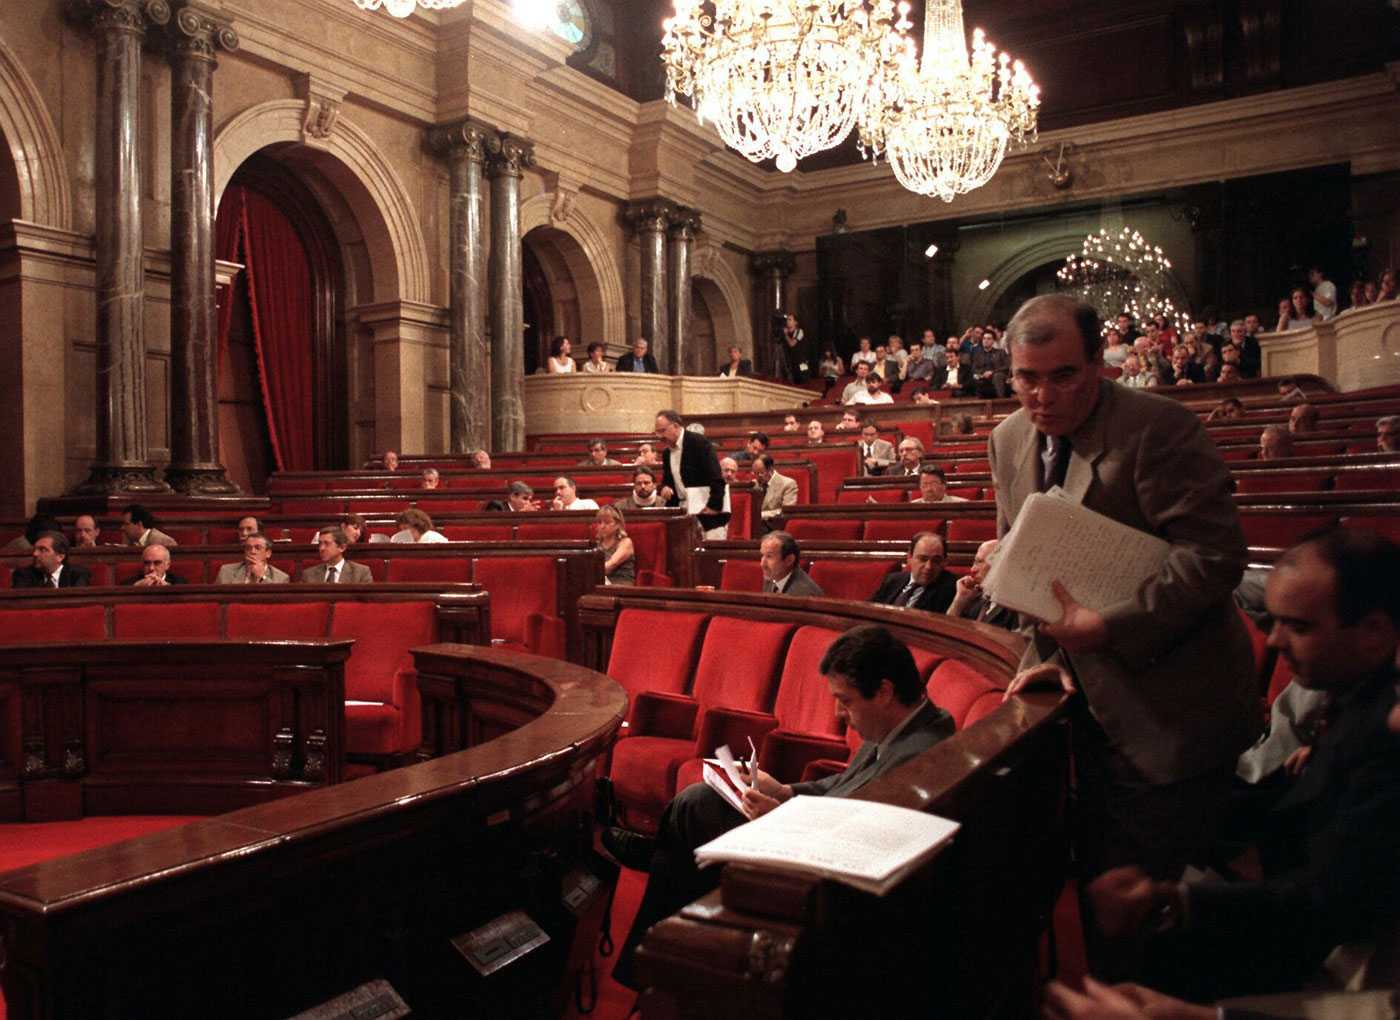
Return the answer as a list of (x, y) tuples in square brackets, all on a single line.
[(726, 681)]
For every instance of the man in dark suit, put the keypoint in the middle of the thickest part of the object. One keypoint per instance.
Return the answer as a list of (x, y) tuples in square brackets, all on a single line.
[(639, 360), (879, 694), (155, 569), (954, 375), (925, 585), (689, 463), (970, 603), (1330, 870), (736, 367), (50, 569), (779, 555), (334, 568), (989, 367)]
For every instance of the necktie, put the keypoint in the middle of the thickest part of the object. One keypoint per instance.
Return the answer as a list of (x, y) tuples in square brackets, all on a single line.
[(1055, 461), (907, 595), (332, 575), (50, 581)]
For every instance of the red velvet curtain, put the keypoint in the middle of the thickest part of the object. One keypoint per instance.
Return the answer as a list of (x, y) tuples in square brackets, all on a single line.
[(252, 230)]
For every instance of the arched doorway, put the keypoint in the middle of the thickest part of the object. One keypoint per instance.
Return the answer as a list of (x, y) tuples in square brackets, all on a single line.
[(562, 295), (283, 379)]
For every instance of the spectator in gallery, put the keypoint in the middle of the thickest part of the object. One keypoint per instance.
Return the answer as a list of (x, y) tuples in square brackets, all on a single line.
[(647, 456), (922, 397), (598, 455), (1356, 295), (1167, 333), (1150, 359), (916, 367), (1323, 293), (1296, 311), (595, 362), (894, 347), (737, 366), (1152, 333), (155, 569), (816, 432), (955, 376), (1132, 375), (1388, 434), (850, 419), (416, 526), (84, 532), (391, 460), (1386, 286), (933, 486), (831, 366), (864, 353), (990, 365), (1275, 443), (431, 479), (481, 460), (884, 367), (1228, 409), (961, 424), (619, 556), (1303, 419), (1115, 351), (790, 423), (856, 386), (1210, 364), (50, 568), (640, 360), (1229, 372), (1243, 341), (795, 349), (729, 470), (1125, 328), (566, 496), (1215, 325), (559, 359), (933, 350), (1184, 371)]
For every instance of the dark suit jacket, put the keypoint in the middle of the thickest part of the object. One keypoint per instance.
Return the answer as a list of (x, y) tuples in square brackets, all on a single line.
[(69, 577), (169, 579), (699, 466), (624, 363), (936, 597), (930, 725), (1174, 687), (745, 368), (800, 583), (962, 379), (1330, 863), (998, 617)]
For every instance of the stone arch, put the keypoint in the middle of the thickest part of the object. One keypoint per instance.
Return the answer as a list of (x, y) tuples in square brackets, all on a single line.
[(576, 245), (725, 300), (394, 250), (45, 195), (1018, 265)]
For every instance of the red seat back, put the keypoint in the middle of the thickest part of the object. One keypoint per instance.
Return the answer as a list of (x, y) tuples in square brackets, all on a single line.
[(649, 542), (447, 569), (972, 529), (519, 586), (866, 493), (1279, 530), (656, 651), (849, 579), (955, 686), (477, 532), (740, 663), (825, 530), (1311, 481), (740, 503), (804, 704), (328, 507), (186, 536), (921, 430), (547, 530), (833, 466), (61, 624), (966, 491), (383, 633), (741, 575), (902, 528), (1379, 478), (123, 572), (102, 574), (284, 620), (170, 620)]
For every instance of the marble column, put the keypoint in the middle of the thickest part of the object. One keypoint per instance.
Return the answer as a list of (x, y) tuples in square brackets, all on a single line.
[(772, 269), (469, 361), (123, 451), (194, 469), (685, 224), (508, 156), (650, 220)]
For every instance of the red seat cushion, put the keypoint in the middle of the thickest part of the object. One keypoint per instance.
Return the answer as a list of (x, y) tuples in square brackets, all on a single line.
[(448, 569), (380, 672), (61, 623), (283, 620), (955, 686), (902, 528), (741, 575), (849, 579), (169, 620), (655, 651), (825, 530)]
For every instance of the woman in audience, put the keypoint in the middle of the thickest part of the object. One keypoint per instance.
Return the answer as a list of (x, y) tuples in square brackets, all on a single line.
[(559, 360), (416, 526), (1296, 312), (1356, 297), (620, 562), (1115, 351), (831, 366), (354, 527), (1386, 291), (566, 496), (596, 362), (1210, 364)]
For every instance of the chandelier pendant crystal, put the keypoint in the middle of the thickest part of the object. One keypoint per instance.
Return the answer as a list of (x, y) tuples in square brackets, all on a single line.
[(780, 79), (1125, 273), (944, 121)]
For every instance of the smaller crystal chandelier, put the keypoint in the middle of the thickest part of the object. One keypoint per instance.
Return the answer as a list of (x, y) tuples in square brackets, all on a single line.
[(944, 121), (779, 78), (1123, 274)]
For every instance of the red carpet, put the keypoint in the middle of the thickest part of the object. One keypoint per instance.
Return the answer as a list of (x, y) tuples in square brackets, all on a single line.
[(614, 1001)]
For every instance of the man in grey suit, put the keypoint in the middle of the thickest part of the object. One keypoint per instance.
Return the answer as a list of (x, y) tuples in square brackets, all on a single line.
[(1164, 697), (334, 568), (872, 677), (139, 527), (254, 569), (778, 555), (876, 454), (778, 491)]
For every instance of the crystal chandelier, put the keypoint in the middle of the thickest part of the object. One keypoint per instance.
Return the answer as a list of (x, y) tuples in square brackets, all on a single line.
[(944, 121), (780, 78), (1123, 274)]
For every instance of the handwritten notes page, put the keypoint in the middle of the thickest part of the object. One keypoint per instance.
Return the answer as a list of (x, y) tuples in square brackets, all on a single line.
[(860, 843), (1099, 561)]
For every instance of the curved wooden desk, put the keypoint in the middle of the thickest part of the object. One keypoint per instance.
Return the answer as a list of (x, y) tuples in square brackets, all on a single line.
[(269, 910)]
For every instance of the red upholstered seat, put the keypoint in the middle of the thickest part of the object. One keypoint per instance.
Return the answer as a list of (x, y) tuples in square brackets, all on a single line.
[(62, 623), (478, 532), (123, 572), (1378, 478), (833, 466), (655, 651), (380, 505), (448, 569), (922, 430), (824, 530), (738, 669), (546, 530), (926, 661), (649, 543), (185, 536), (300, 536), (902, 528), (380, 676), (956, 686), (328, 507), (966, 491), (866, 493), (1279, 530), (524, 602), (741, 575), (102, 574), (849, 579), (740, 504), (442, 507), (1300, 481), (169, 620), (1258, 639), (282, 620), (970, 466), (223, 536), (972, 529)]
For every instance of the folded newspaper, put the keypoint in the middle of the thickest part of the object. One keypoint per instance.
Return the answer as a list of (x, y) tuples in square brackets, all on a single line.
[(1100, 561), (860, 843)]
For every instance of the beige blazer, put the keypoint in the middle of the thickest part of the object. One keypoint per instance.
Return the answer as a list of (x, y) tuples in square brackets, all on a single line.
[(1174, 687), (782, 492)]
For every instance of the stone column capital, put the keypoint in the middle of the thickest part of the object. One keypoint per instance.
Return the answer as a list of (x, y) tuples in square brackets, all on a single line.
[(780, 263), (133, 16), (651, 214), (685, 223), (199, 33), (508, 155), (467, 137)]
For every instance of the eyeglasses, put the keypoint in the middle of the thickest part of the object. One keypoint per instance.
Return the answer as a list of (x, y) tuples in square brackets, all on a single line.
[(1059, 381)]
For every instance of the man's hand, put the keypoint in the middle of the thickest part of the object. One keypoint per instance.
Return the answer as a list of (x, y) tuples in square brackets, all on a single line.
[(1123, 898), (666, 493), (1296, 762), (149, 580), (1047, 674), (1079, 628), (764, 794), (1121, 1002), (257, 570), (756, 804), (967, 590)]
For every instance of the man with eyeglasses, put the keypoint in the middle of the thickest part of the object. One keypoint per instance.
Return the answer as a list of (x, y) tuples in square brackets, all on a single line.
[(1163, 699)]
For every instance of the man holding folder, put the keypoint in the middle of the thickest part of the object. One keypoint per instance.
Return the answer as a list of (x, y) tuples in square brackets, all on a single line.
[(1164, 700)]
